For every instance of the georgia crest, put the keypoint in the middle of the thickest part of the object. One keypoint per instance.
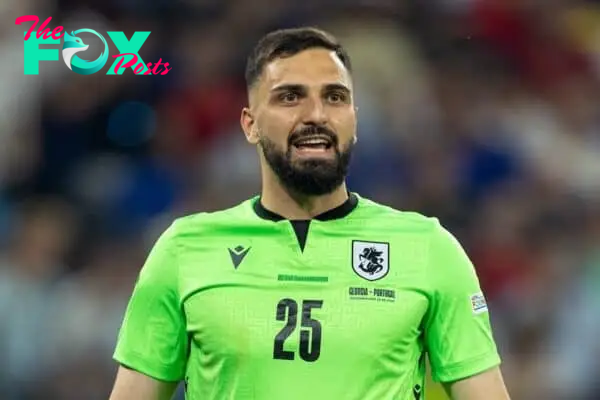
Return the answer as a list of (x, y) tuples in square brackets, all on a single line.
[(370, 260)]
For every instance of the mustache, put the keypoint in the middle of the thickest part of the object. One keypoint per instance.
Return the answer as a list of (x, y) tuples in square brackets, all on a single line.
[(311, 131)]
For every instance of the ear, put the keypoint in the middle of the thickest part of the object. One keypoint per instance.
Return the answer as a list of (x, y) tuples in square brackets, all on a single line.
[(247, 122), (355, 139)]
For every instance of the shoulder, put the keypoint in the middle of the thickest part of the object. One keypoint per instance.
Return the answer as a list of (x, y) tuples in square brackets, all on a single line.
[(200, 222), (397, 220)]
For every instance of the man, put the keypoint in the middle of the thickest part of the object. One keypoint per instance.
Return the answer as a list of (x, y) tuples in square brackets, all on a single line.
[(309, 290)]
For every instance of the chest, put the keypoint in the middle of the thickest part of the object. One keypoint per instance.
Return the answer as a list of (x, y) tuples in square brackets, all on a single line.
[(263, 297)]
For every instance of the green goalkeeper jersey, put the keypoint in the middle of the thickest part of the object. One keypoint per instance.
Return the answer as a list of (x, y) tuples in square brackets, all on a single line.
[(243, 304)]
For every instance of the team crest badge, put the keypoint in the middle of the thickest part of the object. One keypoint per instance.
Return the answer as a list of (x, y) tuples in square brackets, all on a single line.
[(370, 260)]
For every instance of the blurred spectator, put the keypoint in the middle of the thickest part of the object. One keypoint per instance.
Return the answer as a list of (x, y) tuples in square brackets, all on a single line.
[(30, 273)]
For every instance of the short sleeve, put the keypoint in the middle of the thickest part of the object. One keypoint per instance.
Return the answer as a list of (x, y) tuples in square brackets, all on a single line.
[(152, 339), (458, 332)]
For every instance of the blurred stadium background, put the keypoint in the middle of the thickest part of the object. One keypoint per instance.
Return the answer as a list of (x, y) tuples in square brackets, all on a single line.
[(484, 113)]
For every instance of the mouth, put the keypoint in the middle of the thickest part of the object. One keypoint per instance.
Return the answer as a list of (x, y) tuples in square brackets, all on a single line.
[(314, 143)]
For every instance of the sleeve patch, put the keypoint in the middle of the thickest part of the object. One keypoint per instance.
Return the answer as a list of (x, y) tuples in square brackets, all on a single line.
[(478, 303)]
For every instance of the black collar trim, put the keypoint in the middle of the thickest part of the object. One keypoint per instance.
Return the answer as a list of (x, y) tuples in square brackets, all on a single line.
[(338, 212)]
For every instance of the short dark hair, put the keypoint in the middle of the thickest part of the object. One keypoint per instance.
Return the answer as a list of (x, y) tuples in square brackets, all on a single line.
[(288, 42)]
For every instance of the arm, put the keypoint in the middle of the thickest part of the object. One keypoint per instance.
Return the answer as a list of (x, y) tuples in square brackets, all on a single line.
[(132, 385), (152, 346), (488, 385), (457, 328)]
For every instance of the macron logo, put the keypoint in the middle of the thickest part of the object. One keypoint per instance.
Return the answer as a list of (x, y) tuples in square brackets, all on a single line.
[(237, 255)]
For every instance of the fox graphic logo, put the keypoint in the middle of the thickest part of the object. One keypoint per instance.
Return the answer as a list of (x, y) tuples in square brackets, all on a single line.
[(72, 45)]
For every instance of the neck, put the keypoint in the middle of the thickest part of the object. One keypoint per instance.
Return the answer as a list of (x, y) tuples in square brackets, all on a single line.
[(279, 200)]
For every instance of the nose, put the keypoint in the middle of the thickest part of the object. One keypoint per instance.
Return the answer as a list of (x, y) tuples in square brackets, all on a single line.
[(314, 113)]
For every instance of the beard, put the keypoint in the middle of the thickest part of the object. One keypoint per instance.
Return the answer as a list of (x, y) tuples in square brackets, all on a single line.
[(312, 176)]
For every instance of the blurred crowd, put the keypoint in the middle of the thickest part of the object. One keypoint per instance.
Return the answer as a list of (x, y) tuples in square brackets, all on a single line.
[(483, 113)]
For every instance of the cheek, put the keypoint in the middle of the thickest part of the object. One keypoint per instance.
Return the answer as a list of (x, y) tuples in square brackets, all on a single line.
[(277, 126), (345, 126)]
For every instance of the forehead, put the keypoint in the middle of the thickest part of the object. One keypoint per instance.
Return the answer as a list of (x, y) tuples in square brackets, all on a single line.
[(313, 67)]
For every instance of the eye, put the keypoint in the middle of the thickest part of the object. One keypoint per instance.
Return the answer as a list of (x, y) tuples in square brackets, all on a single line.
[(289, 97), (336, 97)]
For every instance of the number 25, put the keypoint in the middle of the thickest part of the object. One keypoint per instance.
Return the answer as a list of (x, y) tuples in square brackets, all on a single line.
[(310, 345)]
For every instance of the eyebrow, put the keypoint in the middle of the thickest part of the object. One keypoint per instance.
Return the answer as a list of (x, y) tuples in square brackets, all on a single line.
[(289, 87), (294, 87), (337, 86)]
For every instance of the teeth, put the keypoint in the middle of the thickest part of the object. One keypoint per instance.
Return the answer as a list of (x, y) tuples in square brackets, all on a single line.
[(313, 142)]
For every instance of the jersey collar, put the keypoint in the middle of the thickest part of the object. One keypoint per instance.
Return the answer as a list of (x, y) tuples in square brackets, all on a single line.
[(338, 212)]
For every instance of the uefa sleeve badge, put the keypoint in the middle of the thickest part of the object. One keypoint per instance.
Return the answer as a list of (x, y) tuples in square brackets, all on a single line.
[(478, 303)]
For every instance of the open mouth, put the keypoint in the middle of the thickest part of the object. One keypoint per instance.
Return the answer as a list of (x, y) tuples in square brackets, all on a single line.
[(316, 142)]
